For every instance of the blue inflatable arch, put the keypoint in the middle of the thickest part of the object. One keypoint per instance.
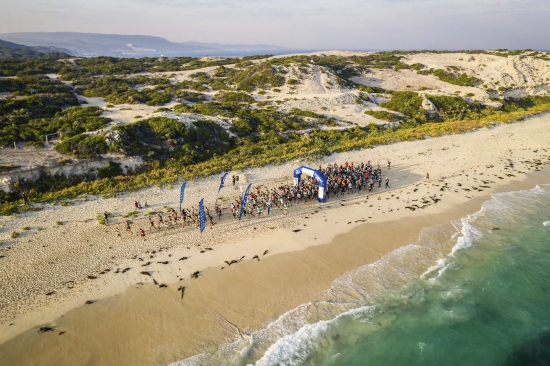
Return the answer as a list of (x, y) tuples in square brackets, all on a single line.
[(315, 174)]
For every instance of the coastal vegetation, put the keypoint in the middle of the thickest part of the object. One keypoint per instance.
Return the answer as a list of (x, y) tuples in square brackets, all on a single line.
[(233, 131), (452, 77), (385, 116), (40, 115), (262, 150)]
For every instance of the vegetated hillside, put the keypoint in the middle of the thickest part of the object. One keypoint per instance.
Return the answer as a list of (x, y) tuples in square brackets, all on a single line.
[(14, 50), (188, 116), (6, 52)]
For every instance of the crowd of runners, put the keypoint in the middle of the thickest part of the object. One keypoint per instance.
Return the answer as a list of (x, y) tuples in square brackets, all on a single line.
[(348, 178)]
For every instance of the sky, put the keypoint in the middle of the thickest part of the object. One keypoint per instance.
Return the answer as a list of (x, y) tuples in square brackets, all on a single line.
[(299, 24)]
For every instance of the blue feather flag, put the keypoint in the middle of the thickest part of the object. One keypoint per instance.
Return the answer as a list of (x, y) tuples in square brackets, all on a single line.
[(222, 182), (182, 193), (202, 217), (245, 198)]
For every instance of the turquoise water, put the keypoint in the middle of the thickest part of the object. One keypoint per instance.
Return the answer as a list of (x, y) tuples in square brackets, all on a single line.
[(484, 300)]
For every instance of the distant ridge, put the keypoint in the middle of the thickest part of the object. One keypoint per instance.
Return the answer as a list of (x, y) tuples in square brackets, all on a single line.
[(96, 44), (15, 50)]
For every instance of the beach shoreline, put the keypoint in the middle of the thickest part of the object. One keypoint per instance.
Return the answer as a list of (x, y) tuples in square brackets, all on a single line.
[(318, 231)]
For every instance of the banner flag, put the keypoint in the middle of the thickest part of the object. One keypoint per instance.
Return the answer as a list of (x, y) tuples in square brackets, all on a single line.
[(222, 182), (268, 205), (245, 198), (182, 192), (202, 217)]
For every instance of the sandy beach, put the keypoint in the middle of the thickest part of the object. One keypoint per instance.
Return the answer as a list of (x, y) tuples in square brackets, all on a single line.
[(48, 275)]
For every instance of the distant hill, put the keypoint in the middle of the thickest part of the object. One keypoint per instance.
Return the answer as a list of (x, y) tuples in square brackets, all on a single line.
[(6, 44), (15, 50), (8, 52), (94, 44)]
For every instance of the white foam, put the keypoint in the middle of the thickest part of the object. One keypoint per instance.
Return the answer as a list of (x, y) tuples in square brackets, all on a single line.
[(293, 349), (470, 234), (546, 223), (440, 264)]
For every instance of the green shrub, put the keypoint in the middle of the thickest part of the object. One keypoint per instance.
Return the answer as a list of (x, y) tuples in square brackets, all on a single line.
[(100, 219), (130, 214), (33, 125), (408, 103), (385, 116), (451, 78), (262, 76), (110, 170), (401, 66), (453, 108), (234, 97), (303, 113), (83, 146), (14, 234)]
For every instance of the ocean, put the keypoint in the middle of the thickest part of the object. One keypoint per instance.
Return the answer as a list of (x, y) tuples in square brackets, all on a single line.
[(471, 292)]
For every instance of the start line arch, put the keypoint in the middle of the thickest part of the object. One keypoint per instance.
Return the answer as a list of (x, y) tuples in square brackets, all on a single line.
[(315, 174)]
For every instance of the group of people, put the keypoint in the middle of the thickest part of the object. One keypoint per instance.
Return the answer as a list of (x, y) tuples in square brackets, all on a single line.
[(187, 217), (138, 205), (347, 178), (340, 179), (353, 178)]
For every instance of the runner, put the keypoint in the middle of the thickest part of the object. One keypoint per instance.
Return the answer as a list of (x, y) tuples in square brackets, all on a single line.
[(151, 224), (128, 227)]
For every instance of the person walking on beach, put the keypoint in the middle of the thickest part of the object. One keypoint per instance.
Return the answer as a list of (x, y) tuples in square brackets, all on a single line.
[(427, 175), (151, 224), (387, 182), (128, 227), (285, 207), (106, 217), (25, 198), (389, 164), (142, 233)]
